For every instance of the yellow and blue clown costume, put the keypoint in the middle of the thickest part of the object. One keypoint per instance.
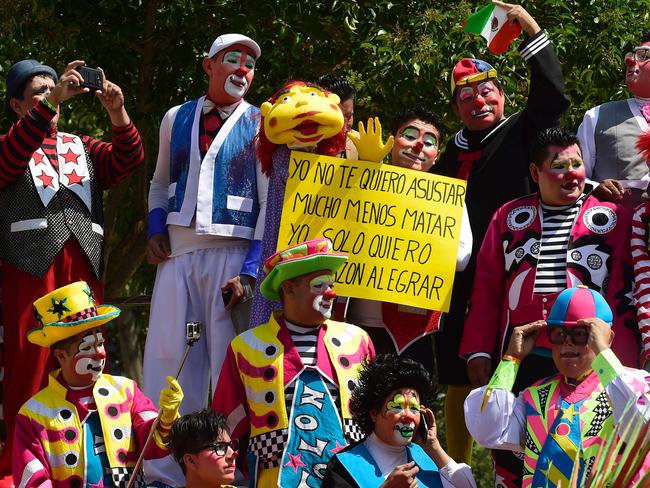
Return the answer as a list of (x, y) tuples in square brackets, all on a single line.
[(81, 437), (292, 435)]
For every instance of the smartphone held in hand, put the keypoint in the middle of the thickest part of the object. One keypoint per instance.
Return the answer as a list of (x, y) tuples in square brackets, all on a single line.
[(93, 78)]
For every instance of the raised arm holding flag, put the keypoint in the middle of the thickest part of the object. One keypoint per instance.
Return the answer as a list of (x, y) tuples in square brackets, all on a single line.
[(501, 23), (491, 153)]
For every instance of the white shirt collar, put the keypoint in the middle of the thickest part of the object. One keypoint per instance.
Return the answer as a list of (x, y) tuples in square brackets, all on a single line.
[(224, 111)]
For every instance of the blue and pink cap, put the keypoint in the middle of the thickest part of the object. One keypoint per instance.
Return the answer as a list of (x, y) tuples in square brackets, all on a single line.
[(574, 304)]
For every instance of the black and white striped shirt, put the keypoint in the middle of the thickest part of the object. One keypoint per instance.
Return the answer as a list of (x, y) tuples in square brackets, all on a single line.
[(305, 339), (557, 222)]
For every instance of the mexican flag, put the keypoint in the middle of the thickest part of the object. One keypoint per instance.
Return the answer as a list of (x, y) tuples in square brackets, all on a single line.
[(492, 23)]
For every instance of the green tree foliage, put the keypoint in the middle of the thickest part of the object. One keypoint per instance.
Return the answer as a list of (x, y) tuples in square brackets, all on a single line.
[(397, 53)]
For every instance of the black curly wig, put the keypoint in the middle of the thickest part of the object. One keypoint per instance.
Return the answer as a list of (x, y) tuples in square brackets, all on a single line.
[(379, 377)]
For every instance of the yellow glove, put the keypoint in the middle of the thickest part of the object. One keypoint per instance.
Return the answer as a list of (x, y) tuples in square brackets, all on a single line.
[(369, 143), (170, 401)]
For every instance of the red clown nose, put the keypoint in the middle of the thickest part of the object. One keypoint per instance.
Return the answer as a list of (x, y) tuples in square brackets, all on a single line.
[(329, 295)]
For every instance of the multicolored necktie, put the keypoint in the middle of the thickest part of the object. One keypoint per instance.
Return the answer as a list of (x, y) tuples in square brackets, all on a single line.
[(562, 447)]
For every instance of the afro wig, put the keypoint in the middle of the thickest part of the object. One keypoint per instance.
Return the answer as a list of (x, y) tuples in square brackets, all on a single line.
[(379, 377)]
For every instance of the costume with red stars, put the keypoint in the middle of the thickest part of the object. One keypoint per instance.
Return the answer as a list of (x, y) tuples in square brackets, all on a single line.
[(51, 229)]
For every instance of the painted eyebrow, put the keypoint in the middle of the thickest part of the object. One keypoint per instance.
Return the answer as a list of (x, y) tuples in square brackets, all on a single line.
[(417, 129), (555, 156)]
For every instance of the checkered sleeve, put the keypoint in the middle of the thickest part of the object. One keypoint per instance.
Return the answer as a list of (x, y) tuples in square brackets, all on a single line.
[(352, 431), (268, 447), (121, 476), (627, 389)]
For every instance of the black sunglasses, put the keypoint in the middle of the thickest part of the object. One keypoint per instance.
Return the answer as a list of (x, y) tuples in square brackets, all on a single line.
[(558, 334), (220, 448)]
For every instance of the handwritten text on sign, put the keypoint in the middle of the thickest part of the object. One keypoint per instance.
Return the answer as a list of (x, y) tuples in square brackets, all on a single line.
[(400, 227)]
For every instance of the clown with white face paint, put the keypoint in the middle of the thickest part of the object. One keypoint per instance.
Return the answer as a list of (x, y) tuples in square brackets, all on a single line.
[(84, 403), (401, 441), (231, 73), (323, 286), (402, 410), (207, 204), (608, 134), (91, 355), (287, 383)]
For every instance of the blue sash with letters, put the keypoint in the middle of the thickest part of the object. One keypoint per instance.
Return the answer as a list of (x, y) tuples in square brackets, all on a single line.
[(315, 433)]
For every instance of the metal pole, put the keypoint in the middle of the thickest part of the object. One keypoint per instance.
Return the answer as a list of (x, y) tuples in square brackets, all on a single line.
[(193, 333)]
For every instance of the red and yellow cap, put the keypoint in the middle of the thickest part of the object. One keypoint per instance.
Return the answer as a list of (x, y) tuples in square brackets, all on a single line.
[(469, 70)]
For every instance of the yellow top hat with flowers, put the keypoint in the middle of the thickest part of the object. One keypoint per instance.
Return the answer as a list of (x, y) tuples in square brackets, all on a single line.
[(67, 311)]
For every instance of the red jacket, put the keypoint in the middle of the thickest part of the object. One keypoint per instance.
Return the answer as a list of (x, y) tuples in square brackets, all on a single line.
[(598, 256)]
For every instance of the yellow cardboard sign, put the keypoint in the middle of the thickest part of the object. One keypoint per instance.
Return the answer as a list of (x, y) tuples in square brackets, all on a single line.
[(400, 227)]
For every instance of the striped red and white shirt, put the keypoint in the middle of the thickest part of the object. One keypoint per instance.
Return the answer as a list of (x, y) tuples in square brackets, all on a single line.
[(113, 161), (641, 262)]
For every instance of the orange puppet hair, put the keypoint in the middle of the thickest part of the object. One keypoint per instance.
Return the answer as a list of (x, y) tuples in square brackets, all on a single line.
[(643, 145), (265, 148)]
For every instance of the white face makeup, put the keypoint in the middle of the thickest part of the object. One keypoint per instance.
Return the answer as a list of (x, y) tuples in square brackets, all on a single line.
[(235, 85), (322, 286), (480, 105), (91, 356)]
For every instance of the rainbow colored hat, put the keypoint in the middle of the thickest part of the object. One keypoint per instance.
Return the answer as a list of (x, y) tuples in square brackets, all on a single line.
[(67, 311), (469, 70), (299, 260), (578, 303)]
